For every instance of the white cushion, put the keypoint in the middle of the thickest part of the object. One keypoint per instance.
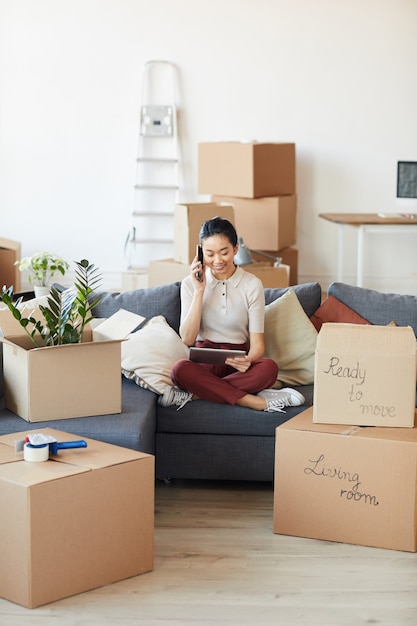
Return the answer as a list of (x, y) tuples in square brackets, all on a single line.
[(149, 354), (290, 340)]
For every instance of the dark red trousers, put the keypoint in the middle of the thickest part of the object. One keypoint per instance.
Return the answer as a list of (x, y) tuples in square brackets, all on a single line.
[(222, 383)]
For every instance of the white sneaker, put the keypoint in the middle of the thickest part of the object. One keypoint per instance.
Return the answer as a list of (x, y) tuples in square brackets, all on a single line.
[(278, 399), (173, 396)]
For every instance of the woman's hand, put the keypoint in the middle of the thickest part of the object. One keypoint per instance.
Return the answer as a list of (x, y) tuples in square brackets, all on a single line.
[(198, 274), (240, 363)]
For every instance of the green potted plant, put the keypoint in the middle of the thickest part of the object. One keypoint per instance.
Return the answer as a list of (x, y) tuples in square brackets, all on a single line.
[(66, 313), (42, 267)]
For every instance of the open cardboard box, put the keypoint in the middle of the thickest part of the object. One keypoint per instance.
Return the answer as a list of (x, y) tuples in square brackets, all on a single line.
[(82, 519), (72, 380), (348, 484)]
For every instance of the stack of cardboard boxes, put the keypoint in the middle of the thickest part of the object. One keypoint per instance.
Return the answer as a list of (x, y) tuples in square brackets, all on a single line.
[(253, 186), (259, 181), (346, 468)]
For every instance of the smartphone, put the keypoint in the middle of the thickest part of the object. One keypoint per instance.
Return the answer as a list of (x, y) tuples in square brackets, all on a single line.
[(200, 256)]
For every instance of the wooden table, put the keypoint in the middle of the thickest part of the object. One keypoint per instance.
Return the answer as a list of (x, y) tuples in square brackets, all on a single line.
[(365, 222)]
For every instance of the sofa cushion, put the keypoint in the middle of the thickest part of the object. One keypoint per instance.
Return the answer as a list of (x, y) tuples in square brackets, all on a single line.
[(163, 300), (149, 354), (133, 428), (308, 294), (333, 310), (290, 339), (377, 307), (204, 417)]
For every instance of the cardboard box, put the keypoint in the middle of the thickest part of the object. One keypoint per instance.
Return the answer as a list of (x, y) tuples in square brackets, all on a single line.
[(81, 520), (246, 170), (365, 375), (275, 220), (347, 484), (10, 274), (166, 271), (289, 257), (131, 280), (58, 382), (271, 277), (188, 219)]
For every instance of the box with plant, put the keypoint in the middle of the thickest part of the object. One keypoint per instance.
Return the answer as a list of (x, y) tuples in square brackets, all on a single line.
[(66, 313)]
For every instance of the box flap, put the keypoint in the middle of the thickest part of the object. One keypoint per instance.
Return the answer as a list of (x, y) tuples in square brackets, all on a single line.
[(7, 454), (118, 326), (368, 338), (10, 327), (97, 454)]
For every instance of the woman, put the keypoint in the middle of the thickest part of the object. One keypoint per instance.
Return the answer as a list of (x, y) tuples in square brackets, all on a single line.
[(222, 306)]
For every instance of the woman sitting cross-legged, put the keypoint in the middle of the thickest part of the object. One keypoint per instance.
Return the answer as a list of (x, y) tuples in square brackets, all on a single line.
[(222, 306)]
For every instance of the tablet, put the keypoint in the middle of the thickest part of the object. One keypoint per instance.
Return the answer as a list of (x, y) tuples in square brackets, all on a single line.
[(215, 356)]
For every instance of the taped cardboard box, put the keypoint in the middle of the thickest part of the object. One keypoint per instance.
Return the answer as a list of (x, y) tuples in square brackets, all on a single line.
[(246, 169), (275, 220), (188, 219), (347, 484), (85, 519), (72, 380), (365, 375)]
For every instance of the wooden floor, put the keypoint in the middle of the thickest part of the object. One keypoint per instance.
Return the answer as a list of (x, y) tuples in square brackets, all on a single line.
[(217, 561)]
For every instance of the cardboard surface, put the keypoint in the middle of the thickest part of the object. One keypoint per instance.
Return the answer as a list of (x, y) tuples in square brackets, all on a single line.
[(347, 484), (289, 257), (81, 520), (271, 277), (365, 375), (10, 274), (188, 219), (59, 382), (166, 271), (275, 220), (247, 170)]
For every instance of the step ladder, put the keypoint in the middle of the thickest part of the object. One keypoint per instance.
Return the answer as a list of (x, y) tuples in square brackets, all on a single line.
[(157, 177)]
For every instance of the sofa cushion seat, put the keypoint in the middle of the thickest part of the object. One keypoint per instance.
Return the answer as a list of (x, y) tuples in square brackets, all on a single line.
[(130, 429), (201, 416)]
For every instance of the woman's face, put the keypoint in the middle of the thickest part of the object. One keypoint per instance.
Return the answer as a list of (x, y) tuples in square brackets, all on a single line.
[(218, 256)]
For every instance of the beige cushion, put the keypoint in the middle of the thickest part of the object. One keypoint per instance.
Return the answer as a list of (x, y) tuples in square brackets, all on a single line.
[(149, 354), (290, 340)]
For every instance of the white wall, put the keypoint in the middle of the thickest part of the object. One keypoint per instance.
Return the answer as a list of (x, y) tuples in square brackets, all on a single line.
[(337, 78)]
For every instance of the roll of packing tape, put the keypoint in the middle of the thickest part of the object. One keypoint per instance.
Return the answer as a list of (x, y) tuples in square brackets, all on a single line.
[(35, 454)]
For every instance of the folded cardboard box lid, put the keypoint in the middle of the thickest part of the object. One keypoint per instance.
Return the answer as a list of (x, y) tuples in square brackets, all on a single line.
[(365, 375), (85, 519), (349, 484), (71, 380)]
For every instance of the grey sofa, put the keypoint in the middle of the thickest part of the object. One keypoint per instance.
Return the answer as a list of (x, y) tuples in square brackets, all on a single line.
[(205, 440)]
